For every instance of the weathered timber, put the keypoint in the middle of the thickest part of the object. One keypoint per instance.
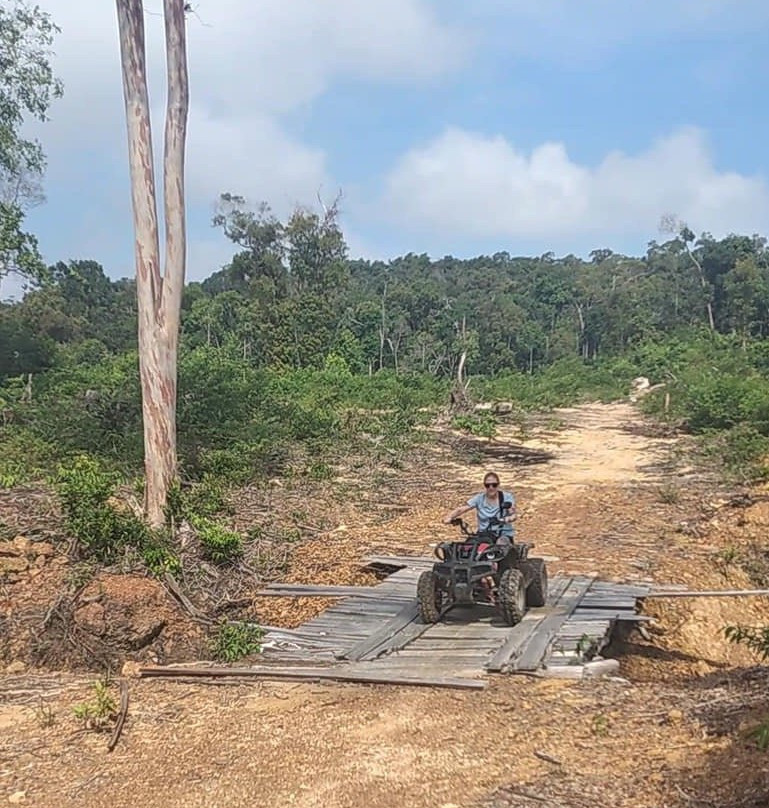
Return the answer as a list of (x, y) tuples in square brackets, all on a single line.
[(326, 591), (399, 560), (607, 614), (607, 603), (343, 674), (706, 593), (379, 626), (406, 616), (531, 621), (531, 655)]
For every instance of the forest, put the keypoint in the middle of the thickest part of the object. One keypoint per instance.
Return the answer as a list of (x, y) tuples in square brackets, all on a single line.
[(293, 347)]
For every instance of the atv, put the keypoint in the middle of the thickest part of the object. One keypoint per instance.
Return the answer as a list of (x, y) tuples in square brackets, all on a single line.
[(478, 571)]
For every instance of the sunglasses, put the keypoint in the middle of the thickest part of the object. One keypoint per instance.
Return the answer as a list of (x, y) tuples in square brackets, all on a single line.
[(491, 485)]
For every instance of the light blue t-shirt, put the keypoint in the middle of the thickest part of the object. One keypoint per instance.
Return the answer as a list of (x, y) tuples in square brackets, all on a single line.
[(485, 509)]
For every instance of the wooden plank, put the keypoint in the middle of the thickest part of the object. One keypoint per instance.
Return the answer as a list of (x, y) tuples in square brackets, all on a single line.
[(326, 591), (304, 657), (439, 654), (429, 645), (302, 642), (610, 600), (335, 628), (606, 614), (590, 629), (707, 593), (630, 591), (400, 560), (399, 640), (531, 656), (341, 674), (428, 641), (476, 631), (520, 633), (406, 615), (374, 610)]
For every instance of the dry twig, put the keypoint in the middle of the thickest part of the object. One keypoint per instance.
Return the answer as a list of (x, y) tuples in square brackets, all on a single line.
[(121, 716)]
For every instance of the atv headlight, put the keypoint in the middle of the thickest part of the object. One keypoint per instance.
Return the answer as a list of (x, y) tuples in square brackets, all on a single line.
[(494, 554)]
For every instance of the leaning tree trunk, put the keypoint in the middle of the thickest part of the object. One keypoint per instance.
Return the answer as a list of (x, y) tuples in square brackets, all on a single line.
[(705, 290), (159, 297)]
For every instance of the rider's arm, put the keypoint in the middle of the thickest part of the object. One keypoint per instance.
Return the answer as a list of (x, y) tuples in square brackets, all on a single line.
[(512, 513), (457, 512)]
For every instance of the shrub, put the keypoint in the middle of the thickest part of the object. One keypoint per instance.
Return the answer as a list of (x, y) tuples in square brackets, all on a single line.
[(236, 640), (100, 712), (755, 638), (24, 457), (219, 544), (160, 559), (482, 424), (101, 526), (742, 451)]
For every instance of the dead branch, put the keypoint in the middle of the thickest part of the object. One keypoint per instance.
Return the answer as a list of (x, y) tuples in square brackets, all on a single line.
[(175, 590), (121, 716), (547, 758)]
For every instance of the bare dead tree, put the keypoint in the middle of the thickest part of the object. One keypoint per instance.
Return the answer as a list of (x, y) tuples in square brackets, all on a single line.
[(330, 212), (670, 223), (159, 296), (459, 396)]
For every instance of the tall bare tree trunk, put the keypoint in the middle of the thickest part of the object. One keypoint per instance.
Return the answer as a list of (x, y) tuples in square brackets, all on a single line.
[(704, 285), (159, 297)]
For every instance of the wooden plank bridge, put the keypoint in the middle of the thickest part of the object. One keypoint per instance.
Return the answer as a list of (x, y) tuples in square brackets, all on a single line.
[(373, 633)]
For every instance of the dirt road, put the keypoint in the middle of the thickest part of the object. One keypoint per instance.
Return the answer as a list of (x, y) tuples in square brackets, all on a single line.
[(664, 733)]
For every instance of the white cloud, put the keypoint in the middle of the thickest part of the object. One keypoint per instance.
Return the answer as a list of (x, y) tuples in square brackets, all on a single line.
[(251, 156), (468, 184), (250, 63)]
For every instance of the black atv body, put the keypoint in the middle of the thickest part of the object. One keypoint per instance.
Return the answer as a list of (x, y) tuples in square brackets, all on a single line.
[(478, 571)]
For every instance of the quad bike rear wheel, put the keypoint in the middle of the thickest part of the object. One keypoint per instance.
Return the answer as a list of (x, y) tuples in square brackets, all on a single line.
[(512, 596), (430, 597), (536, 592)]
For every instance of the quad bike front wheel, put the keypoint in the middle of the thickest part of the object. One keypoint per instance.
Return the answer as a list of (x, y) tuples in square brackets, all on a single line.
[(511, 595), (430, 597), (536, 592)]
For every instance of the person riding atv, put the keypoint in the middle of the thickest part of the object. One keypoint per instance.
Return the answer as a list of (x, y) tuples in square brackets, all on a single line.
[(489, 504), (486, 567)]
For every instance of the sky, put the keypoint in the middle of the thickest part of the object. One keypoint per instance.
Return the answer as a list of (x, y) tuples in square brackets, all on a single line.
[(451, 127)]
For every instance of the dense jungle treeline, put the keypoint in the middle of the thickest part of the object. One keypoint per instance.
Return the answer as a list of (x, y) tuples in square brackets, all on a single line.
[(292, 347)]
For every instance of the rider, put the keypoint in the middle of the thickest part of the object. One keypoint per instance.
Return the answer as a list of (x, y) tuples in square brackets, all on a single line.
[(487, 504)]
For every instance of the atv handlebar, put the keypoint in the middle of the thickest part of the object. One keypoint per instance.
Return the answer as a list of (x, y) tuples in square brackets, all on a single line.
[(489, 532)]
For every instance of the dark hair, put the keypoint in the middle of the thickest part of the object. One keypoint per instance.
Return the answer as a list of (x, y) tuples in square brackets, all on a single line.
[(490, 474)]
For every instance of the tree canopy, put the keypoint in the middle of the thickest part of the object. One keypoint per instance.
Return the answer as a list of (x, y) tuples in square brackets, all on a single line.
[(27, 89)]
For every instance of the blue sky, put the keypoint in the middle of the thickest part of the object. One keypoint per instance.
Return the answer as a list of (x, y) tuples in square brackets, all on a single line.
[(451, 127)]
